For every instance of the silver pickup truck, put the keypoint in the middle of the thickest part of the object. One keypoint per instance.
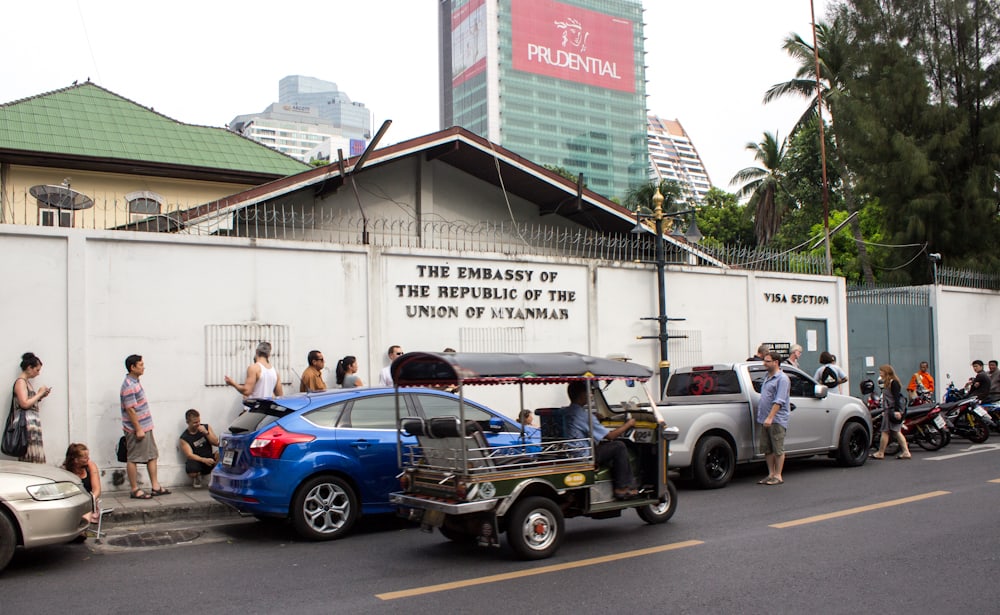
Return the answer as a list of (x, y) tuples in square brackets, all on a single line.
[(714, 407)]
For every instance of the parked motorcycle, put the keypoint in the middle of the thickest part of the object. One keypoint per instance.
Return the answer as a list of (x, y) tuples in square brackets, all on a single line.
[(965, 417), (923, 425), (993, 409)]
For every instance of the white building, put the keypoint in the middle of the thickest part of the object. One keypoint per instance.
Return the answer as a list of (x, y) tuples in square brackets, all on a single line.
[(673, 156), (311, 120)]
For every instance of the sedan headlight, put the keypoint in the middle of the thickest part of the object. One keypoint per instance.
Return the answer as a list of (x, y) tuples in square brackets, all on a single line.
[(54, 491)]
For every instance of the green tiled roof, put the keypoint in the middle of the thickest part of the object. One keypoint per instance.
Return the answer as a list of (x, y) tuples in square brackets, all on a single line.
[(87, 120)]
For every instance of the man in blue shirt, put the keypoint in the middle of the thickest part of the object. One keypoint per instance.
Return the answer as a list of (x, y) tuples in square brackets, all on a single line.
[(772, 418), (608, 449)]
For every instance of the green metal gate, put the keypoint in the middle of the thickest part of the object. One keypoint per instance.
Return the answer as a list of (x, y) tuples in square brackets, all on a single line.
[(888, 325)]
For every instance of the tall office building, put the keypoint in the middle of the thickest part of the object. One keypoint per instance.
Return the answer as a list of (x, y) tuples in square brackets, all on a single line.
[(311, 116), (672, 155), (560, 83)]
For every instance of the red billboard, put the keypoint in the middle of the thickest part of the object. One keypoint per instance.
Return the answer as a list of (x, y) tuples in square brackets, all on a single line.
[(567, 42)]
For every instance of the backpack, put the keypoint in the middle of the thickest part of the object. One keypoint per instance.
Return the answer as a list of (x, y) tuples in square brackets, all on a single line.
[(829, 377)]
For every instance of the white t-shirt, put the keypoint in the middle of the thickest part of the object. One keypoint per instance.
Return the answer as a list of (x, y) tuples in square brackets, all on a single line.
[(385, 376)]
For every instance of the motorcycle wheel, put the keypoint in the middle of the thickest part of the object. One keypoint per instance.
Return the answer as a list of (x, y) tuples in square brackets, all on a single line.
[(930, 438), (980, 432)]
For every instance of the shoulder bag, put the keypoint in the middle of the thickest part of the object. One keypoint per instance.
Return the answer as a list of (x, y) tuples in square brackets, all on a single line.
[(15, 432)]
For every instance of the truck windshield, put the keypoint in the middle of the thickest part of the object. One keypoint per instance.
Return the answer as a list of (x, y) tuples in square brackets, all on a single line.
[(622, 395)]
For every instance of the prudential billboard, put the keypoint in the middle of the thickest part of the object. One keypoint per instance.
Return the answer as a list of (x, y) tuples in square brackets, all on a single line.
[(567, 42)]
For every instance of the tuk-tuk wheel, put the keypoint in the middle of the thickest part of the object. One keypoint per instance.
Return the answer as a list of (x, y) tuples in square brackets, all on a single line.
[(661, 512), (535, 528)]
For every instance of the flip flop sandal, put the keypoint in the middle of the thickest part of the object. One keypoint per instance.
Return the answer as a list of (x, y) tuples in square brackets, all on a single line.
[(763, 481), (145, 496), (774, 481), (161, 491)]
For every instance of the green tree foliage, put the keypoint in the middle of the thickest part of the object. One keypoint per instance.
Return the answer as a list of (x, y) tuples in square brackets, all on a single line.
[(803, 179), (922, 126), (565, 173), (764, 186), (832, 51), (723, 221), (674, 196)]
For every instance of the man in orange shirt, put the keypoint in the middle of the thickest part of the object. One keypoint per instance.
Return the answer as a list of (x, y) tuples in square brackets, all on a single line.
[(924, 379)]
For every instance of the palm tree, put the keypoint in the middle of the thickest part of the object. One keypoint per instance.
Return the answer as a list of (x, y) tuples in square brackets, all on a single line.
[(763, 185), (642, 195), (833, 43)]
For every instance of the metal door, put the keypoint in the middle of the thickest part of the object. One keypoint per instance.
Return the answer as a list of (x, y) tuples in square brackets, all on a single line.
[(810, 333)]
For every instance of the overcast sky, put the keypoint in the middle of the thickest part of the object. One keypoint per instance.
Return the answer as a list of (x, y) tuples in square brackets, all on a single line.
[(205, 62)]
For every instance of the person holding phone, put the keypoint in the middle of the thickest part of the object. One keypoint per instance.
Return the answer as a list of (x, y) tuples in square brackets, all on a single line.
[(26, 399)]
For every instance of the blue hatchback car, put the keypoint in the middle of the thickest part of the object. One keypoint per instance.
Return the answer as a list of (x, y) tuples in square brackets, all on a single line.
[(323, 459)]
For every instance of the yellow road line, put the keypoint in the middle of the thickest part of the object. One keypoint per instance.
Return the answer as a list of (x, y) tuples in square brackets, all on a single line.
[(507, 576), (859, 509)]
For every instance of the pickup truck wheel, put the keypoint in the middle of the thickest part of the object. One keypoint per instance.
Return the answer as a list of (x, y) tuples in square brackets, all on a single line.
[(714, 462), (8, 540), (853, 448), (535, 528), (660, 513), (324, 508)]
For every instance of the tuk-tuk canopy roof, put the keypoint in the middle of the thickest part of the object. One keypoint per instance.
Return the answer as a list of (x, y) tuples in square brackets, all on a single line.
[(445, 369)]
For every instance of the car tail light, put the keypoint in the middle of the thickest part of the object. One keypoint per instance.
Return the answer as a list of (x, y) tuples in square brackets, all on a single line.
[(271, 443), (405, 481)]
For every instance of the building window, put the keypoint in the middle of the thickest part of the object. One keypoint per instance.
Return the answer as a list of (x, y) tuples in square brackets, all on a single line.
[(50, 216), (143, 204)]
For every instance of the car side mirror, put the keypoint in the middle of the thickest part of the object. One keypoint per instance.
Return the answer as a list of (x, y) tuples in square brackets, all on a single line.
[(496, 424), (821, 391)]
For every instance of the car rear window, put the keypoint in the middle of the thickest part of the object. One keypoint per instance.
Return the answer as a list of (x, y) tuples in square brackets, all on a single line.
[(261, 413), (700, 383)]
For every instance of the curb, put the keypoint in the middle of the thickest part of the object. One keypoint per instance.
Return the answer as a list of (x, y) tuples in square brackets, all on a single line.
[(166, 512)]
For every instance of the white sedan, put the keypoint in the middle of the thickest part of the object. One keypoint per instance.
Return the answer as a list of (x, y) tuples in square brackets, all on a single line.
[(39, 505)]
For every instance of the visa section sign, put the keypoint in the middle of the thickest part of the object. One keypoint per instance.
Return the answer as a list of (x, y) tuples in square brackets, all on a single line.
[(571, 43)]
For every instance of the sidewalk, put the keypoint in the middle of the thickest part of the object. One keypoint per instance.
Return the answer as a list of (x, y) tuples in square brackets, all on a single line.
[(182, 502)]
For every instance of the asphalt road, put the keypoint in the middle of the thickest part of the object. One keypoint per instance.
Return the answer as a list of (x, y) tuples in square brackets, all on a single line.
[(916, 536)]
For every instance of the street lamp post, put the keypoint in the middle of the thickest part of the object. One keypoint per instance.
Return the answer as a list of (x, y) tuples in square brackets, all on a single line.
[(657, 216)]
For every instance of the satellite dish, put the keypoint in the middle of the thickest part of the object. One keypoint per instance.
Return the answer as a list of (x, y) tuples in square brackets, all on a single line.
[(61, 197)]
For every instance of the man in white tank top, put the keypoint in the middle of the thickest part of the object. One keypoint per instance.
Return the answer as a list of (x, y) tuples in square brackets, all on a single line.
[(262, 379)]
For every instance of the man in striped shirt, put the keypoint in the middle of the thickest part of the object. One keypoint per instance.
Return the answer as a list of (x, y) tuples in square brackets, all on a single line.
[(137, 423)]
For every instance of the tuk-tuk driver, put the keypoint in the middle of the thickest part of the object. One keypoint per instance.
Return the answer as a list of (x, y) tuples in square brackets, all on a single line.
[(607, 449)]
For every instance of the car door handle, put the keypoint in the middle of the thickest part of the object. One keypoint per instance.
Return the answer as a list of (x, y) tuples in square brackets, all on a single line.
[(361, 444)]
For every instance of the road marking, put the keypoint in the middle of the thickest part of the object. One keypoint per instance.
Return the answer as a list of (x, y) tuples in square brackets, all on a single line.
[(972, 450), (507, 576), (859, 509)]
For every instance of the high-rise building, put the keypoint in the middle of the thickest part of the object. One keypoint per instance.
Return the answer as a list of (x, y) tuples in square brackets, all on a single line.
[(560, 83), (311, 115), (672, 155)]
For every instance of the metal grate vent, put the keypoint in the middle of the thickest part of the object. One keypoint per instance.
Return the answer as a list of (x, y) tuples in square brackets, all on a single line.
[(684, 351), (492, 339), (229, 350)]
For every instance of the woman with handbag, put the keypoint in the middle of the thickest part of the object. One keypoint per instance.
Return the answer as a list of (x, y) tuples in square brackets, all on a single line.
[(892, 413), (26, 401)]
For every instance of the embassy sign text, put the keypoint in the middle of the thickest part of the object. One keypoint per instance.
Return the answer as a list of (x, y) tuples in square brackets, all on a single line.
[(486, 292)]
